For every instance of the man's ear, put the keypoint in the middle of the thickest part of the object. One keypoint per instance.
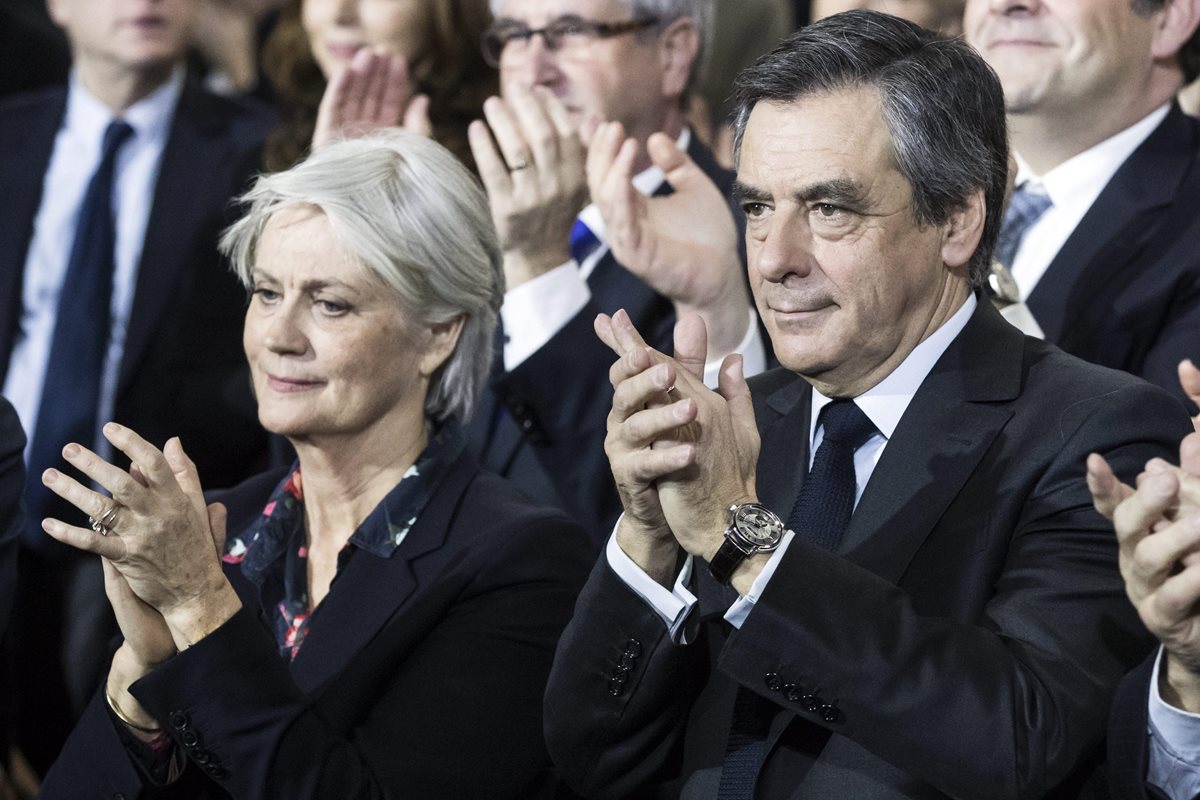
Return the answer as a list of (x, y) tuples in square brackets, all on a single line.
[(963, 230), (678, 46), (440, 342), (1174, 25)]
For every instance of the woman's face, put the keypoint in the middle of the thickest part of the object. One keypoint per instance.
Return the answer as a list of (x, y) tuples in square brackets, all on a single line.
[(337, 29), (331, 353)]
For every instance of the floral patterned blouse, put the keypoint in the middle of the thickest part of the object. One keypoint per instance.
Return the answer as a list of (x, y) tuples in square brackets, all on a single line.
[(273, 553)]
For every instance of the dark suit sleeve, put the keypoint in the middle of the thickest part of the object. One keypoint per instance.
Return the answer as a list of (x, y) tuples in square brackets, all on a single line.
[(561, 396), (456, 717), (12, 510), (1006, 703)]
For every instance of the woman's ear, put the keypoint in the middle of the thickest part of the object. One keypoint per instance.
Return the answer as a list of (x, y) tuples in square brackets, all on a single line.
[(440, 339)]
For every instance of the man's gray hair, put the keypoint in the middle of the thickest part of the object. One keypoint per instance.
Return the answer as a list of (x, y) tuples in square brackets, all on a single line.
[(413, 218), (943, 106)]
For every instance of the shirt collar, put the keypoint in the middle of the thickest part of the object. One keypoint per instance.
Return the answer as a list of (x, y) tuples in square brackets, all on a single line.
[(885, 402), (1079, 180), (647, 182), (149, 117)]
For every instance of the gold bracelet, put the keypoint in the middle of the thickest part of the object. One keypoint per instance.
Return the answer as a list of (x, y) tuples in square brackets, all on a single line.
[(116, 709)]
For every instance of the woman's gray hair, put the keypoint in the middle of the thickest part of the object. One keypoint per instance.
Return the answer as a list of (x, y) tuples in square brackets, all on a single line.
[(943, 106), (412, 217)]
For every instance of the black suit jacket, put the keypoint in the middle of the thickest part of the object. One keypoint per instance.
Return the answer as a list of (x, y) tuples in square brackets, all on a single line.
[(551, 441), (183, 371), (1128, 744), (12, 516), (966, 639), (421, 675), (1124, 290)]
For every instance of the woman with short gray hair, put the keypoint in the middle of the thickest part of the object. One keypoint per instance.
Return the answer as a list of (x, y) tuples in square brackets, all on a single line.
[(381, 619)]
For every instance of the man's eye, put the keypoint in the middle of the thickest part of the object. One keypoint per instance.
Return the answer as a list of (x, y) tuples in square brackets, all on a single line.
[(754, 209), (567, 28), (828, 210)]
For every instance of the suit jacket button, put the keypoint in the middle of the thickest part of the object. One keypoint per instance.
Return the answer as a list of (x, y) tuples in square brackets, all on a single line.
[(633, 647), (830, 713), (616, 687), (201, 757), (810, 702), (627, 661), (178, 720), (792, 692), (773, 681), (189, 738)]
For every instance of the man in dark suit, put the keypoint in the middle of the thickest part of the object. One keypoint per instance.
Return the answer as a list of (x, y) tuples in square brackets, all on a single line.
[(941, 613), (1162, 579), (115, 303), (1098, 236), (562, 64)]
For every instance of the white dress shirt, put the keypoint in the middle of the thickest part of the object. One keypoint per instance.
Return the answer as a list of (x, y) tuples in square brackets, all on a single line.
[(538, 309), (1073, 187), (75, 158), (884, 404)]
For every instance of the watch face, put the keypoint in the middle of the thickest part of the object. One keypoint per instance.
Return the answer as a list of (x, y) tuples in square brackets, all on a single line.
[(758, 525)]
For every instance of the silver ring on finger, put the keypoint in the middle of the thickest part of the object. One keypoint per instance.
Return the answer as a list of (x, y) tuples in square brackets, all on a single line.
[(103, 523), (519, 165)]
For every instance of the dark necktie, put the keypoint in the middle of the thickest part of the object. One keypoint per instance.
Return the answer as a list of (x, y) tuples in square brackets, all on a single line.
[(71, 390), (583, 241), (1028, 203), (826, 500), (820, 516)]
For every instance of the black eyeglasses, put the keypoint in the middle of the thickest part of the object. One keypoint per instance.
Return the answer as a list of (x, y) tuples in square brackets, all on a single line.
[(556, 34)]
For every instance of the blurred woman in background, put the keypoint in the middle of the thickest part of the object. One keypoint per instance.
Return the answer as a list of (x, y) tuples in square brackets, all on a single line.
[(436, 42)]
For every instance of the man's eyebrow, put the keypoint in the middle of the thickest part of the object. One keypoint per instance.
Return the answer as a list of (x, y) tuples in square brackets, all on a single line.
[(842, 191), (743, 193)]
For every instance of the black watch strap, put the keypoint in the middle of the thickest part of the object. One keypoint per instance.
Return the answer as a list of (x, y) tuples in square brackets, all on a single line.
[(723, 564)]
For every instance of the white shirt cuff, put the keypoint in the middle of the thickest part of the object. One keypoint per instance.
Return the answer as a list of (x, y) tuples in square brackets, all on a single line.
[(754, 355), (536, 310), (1174, 751), (672, 605), (741, 608)]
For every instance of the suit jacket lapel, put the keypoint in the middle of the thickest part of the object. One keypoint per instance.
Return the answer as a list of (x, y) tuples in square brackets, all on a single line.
[(1117, 226), (25, 152), (176, 216), (949, 425), (369, 590)]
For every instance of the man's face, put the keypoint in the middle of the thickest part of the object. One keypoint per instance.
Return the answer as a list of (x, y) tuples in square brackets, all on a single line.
[(619, 78), (933, 14), (126, 34), (845, 279), (1062, 54)]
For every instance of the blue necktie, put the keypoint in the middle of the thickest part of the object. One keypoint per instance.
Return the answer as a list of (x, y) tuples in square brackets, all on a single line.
[(71, 391), (583, 241), (826, 500), (820, 516), (1028, 203)]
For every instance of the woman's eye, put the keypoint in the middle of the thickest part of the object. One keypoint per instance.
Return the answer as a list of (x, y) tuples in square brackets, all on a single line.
[(332, 307), (266, 295)]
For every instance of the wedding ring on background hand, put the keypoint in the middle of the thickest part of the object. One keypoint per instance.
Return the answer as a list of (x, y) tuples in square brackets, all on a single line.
[(519, 165), (103, 524)]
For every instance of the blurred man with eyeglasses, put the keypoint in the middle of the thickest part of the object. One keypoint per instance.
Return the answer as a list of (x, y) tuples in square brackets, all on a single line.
[(595, 217)]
